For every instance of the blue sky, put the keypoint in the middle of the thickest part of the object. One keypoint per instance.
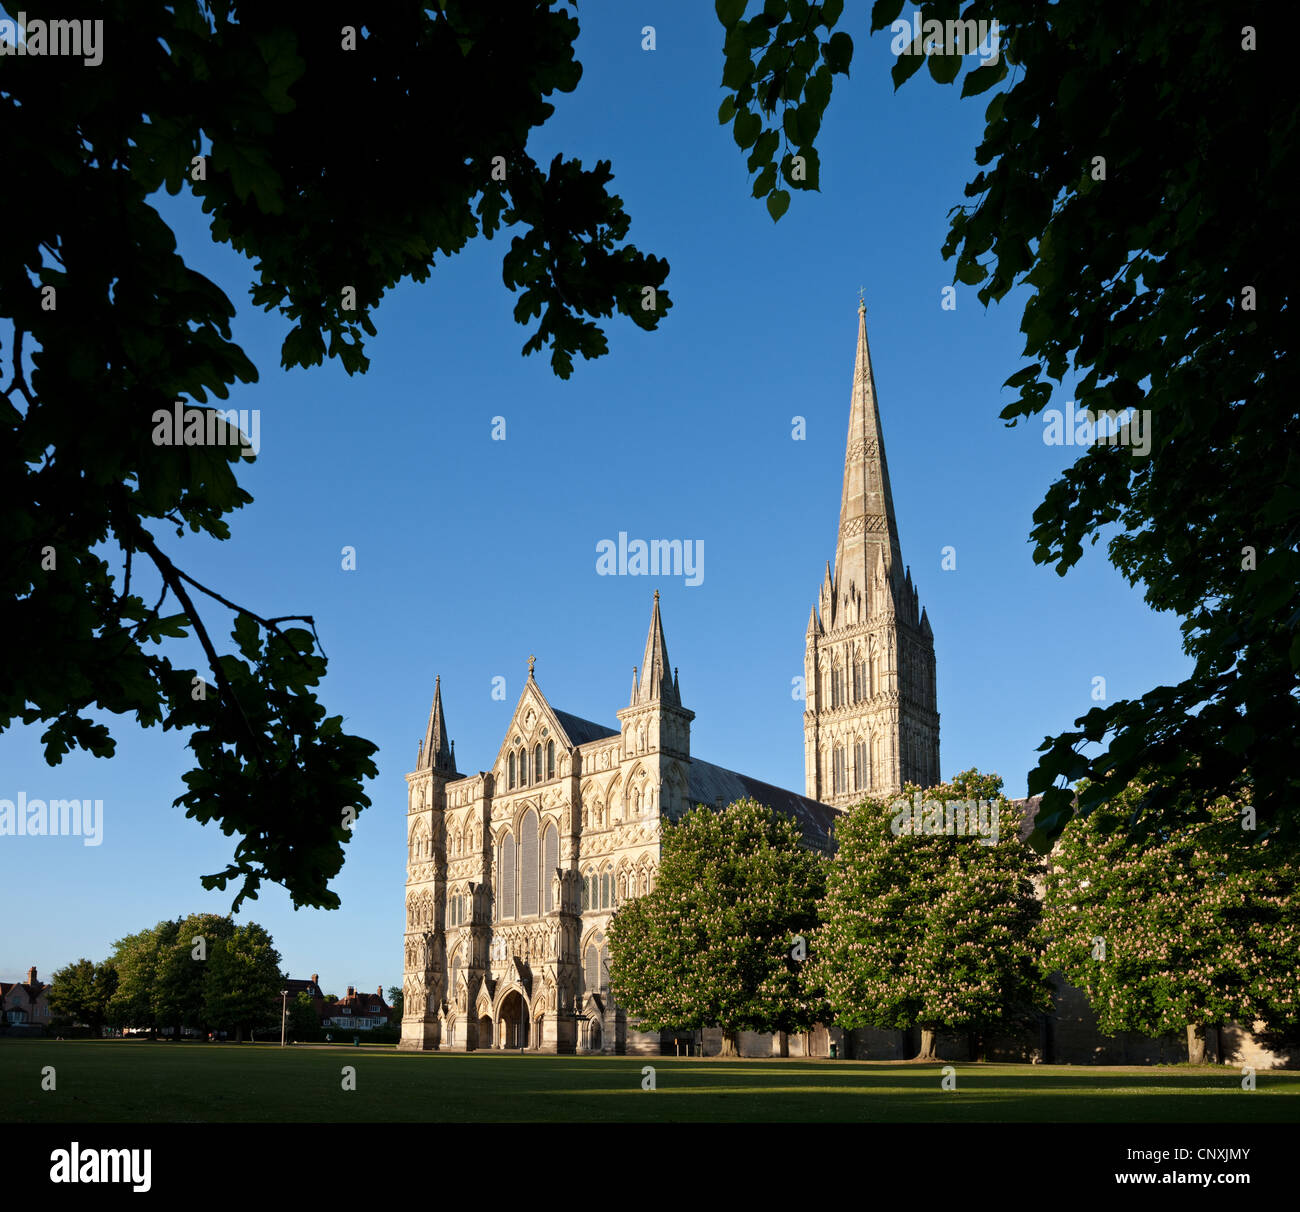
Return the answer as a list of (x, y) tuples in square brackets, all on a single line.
[(472, 553)]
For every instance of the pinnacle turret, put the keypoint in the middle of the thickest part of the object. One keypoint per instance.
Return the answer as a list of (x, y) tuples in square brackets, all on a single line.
[(435, 750), (655, 681)]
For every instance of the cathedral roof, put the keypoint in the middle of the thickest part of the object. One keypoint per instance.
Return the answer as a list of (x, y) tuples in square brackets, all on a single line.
[(710, 784), (581, 731)]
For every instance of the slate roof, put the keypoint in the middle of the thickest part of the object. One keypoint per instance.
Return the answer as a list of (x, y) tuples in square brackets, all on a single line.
[(581, 731), (710, 783)]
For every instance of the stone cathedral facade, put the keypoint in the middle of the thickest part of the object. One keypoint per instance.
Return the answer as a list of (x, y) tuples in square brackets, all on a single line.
[(514, 872)]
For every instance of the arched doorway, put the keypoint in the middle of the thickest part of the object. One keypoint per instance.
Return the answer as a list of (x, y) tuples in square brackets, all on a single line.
[(512, 1021), (484, 1032)]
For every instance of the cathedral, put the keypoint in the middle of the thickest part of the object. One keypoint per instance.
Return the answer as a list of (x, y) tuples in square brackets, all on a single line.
[(514, 872)]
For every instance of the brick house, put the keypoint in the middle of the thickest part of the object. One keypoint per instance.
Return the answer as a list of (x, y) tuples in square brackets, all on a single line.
[(24, 1005)]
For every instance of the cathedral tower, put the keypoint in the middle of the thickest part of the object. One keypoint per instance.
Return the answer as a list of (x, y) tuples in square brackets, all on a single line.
[(871, 722), (426, 880)]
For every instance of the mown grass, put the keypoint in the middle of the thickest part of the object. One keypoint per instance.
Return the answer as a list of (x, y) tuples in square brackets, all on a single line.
[(129, 1082)]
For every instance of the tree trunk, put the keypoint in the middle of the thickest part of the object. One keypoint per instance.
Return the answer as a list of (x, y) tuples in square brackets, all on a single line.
[(975, 1043), (783, 1043), (1195, 1043), (927, 1051), (730, 1043)]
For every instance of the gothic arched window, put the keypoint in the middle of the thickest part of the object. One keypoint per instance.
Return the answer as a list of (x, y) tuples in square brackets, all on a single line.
[(860, 765), (508, 876), (510, 768), (528, 865), (841, 782), (537, 763), (550, 759), (550, 861)]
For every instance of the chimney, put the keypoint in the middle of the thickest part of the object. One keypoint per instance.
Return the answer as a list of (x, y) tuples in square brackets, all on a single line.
[(352, 990), (31, 976), (380, 992), (315, 978)]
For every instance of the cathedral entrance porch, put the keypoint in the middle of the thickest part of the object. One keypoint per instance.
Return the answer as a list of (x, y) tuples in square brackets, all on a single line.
[(512, 1022)]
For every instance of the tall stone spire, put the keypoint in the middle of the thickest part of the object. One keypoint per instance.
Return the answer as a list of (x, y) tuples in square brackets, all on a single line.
[(656, 676), (868, 528), (871, 725), (435, 749)]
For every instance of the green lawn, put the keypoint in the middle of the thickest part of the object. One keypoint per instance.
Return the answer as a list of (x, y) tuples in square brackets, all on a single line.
[(119, 1081)]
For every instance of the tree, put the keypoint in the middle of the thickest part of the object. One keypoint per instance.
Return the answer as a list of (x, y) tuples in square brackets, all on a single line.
[(80, 993), (717, 942), (136, 959), (294, 129), (242, 992), (181, 982), (1113, 187), (921, 926), (1188, 931), (304, 1022), (397, 1001)]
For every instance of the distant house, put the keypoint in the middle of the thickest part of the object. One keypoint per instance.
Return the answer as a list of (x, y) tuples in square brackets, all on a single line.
[(358, 1011), (24, 1005), (311, 988)]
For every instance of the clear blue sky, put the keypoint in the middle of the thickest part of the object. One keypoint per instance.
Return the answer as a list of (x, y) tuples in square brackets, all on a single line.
[(472, 553)]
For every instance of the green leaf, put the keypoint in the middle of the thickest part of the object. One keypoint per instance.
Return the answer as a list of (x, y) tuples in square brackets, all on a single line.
[(885, 12), (831, 11), (983, 78), (838, 52), (790, 124), (727, 110), (729, 11), (944, 68), (905, 68), (778, 202), (747, 129)]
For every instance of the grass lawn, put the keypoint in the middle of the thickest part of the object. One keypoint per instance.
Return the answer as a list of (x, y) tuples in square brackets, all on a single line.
[(127, 1082)]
